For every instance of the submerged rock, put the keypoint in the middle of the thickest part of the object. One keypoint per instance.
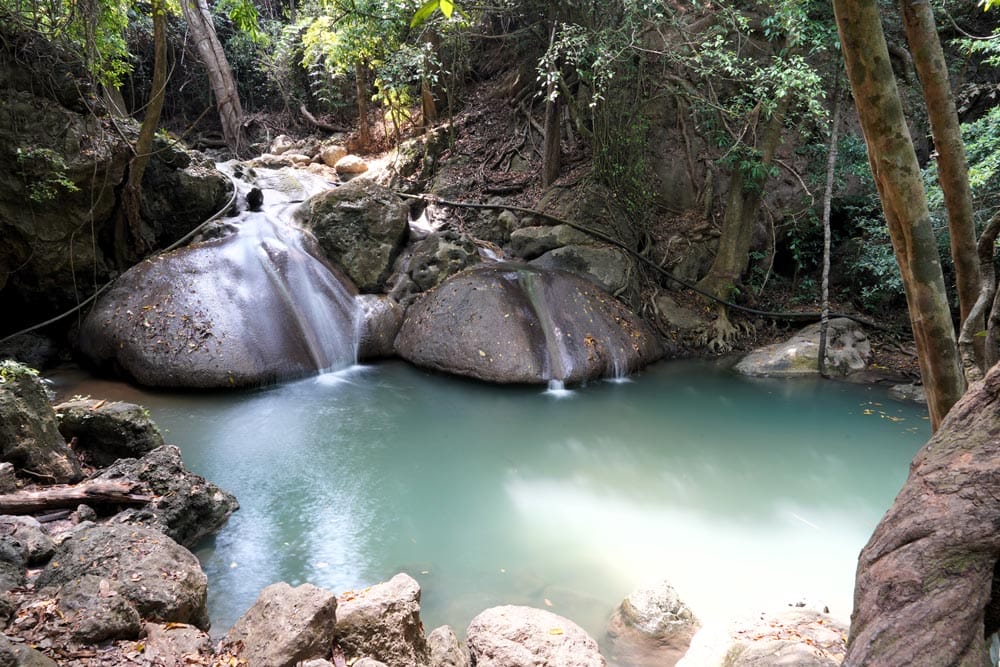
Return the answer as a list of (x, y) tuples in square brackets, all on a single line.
[(285, 626), (29, 433), (508, 322), (847, 351), (513, 636), (251, 308), (158, 578), (652, 627), (108, 431), (383, 622), (186, 507)]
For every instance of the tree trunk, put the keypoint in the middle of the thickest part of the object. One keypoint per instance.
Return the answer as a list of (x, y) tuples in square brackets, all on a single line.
[(220, 75), (98, 492), (129, 242), (923, 590), (742, 205), (361, 89), (953, 168), (970, 345), (897, 176), (551, 153), (831, 163)]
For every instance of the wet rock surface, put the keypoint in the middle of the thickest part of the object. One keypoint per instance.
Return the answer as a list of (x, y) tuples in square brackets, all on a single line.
[(508, 322)]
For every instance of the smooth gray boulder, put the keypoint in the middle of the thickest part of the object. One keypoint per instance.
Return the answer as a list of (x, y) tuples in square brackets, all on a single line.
[(800, 637), (23, 541), (847, 351), (381, 318), (29, 433), (445, 648), (361, 226), (284, 626), (652, 627), (383, 622), (159, 578), (514, 636), (608, 267), (252, 308), (108, 431), (507, 322), (186, 506)]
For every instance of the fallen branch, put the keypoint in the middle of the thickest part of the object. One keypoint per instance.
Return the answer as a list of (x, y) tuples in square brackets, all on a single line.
[(99, 492), (318, 123), (807, 316)]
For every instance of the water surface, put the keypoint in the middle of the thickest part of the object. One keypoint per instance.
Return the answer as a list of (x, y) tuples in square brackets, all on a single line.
[(744, 493)]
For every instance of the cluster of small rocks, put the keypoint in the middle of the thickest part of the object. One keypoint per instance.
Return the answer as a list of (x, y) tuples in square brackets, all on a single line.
[(311, 153)]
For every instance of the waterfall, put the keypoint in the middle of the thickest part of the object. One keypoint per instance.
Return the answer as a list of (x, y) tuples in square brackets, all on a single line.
[(558, 361)]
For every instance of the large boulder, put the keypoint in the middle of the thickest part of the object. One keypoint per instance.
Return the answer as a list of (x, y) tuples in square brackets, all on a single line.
[(107, 431), (29, 433), (608, 267), (847, 351), (361, 226), (251, 308), (432, 260), (652, 627), (509, 322), (383, 622), (381, 318), (513, 636), (800, 637), (285, 626), (185, 506), (531, 242), (158, 578)]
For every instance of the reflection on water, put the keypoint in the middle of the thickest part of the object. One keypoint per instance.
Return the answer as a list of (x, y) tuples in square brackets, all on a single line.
[(741, 492)]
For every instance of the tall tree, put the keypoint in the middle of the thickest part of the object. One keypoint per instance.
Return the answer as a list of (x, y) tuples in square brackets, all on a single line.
[(220, 75), (953, 168), (897, 175)]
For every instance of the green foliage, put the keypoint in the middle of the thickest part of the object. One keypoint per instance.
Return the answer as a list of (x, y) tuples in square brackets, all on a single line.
[(428, 8), (43, 172), (11, 371)]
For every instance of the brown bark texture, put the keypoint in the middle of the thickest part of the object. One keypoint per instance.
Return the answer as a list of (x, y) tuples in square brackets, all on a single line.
[(220, 75), (29, 502), (972, 324), (923, 586), (897, 175), (361, 88), (953, 168)]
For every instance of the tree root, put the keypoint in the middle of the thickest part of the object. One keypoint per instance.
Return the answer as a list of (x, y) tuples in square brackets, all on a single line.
[(720, 336)]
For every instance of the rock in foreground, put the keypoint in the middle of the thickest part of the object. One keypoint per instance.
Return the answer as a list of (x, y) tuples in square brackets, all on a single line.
[(513, 636), (514, 323), (652, 627), (383, 622)]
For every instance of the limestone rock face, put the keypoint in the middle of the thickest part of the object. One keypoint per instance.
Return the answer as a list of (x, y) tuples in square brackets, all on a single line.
[(158, 578), (847, 351), (106, 432), (251, 308), (508, 322), (652, 627), (610, 268), (383, 622), (187, 507), (29, 433), (285, 626), (513, 636), (361, 226)]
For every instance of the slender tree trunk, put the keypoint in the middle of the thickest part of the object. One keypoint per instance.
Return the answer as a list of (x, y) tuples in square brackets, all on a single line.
[(220, 75), (831, 163), (742, 206), (953, 168), (551, 154), (129, 242), (897, 175), (926, 587), (967, 338), (361, 89)]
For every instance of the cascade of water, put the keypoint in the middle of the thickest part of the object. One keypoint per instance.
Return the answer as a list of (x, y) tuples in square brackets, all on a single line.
[(318, 313), (557, 358)]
